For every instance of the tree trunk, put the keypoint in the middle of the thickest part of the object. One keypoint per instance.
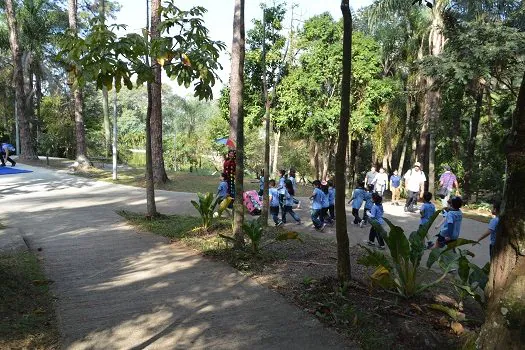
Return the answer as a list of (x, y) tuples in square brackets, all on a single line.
[(276, 140), (27, 150), (38, 98), (237, 117), (107, 124), (471, 145), (343, 245), (159, 171), (266, 195), (504, 326), (81, 154)]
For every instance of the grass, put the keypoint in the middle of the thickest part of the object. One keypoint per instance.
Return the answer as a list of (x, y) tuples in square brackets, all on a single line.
[(28, 320)]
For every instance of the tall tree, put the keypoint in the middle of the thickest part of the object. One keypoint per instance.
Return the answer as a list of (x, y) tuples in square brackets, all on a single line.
[(27, 144), (343, 244), (81, 150), (504, 326), (159, 171), (237, 115), (105, 96)]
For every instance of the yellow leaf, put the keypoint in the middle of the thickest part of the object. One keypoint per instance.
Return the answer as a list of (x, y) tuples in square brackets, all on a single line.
[(457, 328), (186, 60)]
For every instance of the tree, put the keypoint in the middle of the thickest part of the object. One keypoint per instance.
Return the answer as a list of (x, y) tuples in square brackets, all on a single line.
[(78, 99), (27, 144), (504, 326), (343, 244), (237, 116)]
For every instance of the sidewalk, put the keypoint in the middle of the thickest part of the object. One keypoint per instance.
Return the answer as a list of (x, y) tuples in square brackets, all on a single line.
[(117, 288)]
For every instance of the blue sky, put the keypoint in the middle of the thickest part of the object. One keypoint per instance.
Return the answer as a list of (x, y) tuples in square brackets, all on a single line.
[(219, 19)]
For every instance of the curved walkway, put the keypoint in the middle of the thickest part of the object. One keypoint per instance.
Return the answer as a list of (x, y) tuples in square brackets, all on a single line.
[(118, 289)]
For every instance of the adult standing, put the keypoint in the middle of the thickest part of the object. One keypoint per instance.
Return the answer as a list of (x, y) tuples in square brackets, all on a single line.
[(414, 184), (447, 182), (381, 182), (395, 187), (370, 176)]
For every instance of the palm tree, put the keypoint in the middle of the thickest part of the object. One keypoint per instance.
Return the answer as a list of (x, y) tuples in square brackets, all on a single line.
[(236, 115)]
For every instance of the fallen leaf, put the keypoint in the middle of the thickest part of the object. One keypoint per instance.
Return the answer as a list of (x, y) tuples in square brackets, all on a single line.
[(443, 321), (457, 328)]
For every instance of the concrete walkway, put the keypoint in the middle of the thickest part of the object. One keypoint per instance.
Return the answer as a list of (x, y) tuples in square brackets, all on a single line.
[(120, 289)]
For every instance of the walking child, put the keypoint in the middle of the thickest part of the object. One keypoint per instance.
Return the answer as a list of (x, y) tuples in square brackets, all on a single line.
[(376, 214), (281, 188), (357, 199), (492, 228), (288, 204), (369, 202), (451, 228), (331, 199), (427, 209), (274, 203), (317, 204), (326, 204)]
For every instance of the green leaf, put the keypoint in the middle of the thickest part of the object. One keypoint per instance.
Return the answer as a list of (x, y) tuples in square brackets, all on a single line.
[(463, 269), (434, 256), (397, 243), (374, 259)]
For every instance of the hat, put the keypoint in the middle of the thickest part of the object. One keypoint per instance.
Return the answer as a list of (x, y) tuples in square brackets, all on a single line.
[(418, 164), (447, 167)]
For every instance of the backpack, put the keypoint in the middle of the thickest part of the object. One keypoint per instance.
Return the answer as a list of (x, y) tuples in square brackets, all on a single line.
[(288, 184)]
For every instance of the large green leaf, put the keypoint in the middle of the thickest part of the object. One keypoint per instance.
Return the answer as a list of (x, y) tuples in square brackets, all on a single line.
[(434, 256), (459, 242), (374, 259), (397, 243), (463, 269)]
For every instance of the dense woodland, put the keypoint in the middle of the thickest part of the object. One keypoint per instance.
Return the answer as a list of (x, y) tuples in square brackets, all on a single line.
[(433, 81)]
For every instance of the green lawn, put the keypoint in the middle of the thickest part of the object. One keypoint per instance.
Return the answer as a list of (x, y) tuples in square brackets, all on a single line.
[(28, 320)]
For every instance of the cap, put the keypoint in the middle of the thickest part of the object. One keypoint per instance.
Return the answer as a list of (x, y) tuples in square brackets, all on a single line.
[(447, 167), (418, 164)]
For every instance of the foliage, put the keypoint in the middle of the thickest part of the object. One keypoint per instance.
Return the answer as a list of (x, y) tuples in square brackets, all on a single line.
[(206, 207), (254, 230), (57, 139), (400, 271)]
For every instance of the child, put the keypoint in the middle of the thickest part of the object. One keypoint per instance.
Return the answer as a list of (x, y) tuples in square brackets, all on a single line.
[(222, 190), (452, 224), (427, 209), (492, 228), (326, 204), (376, 214), (281, 188), (291, 177), (369, 202), (288, 203), (357, 200), (261, 184), (317, 205), (274, 203), (331, 199)]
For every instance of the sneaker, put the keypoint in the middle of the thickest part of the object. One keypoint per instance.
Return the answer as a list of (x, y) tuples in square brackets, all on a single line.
[(322, 228), (280, 223), (361, 224), (393, 203), (405, 209), (372, 244), (397, 204), (13, 164), (2, 164), (381, 247)]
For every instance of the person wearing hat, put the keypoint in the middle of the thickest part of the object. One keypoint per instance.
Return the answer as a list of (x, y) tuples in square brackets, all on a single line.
[(414, 184), (447, 182)]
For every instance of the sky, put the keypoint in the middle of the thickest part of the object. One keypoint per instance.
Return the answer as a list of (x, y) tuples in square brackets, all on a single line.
[(219, 21)]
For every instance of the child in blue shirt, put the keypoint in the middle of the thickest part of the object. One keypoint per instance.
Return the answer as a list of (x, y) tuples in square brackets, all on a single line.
[(376, 214), (331, 199), (274, 203), (492, 228), (369, 202), (357, 199), (326, 204), (452, 224), (317, 198), (427, 209), (288, 204), (222, 190)]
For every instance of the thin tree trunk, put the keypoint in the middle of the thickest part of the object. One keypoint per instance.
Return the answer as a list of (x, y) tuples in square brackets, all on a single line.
[(504, 326), (107, 124), (343, 245), (81, 154), (276, 140), (266, 195), (159, 171), (406, 136), (237, 116), (150, 184), (27, 150), (38, 98), (471, 145)]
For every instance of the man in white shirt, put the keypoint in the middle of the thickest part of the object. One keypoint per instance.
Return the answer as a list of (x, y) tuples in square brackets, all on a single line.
[(414, 183)]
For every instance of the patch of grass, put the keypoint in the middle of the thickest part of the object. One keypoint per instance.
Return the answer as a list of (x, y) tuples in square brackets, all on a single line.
[(172, 226), (28, 319)]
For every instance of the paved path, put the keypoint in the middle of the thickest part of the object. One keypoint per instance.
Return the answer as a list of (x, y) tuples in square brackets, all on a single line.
[(117, 289)]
